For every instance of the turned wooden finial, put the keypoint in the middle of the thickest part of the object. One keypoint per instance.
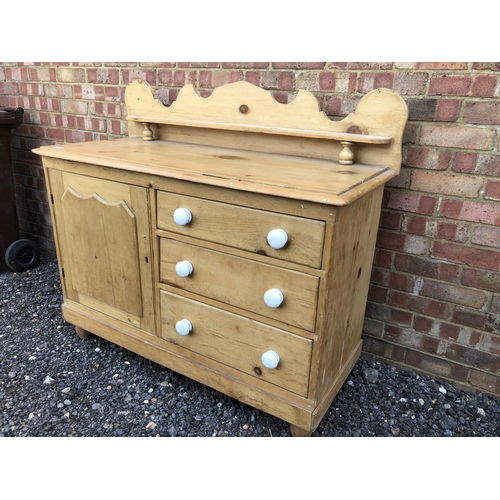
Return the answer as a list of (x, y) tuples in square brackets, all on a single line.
[(147, 133), (346, 156)]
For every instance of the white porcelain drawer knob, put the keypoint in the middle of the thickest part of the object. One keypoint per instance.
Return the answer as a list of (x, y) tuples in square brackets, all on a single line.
[(277, 238), (270, 359), (183, 268), (183, 327), (182, 216), (273, 297)]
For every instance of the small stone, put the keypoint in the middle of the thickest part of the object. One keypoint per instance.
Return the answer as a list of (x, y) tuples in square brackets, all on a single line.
[(395, 431), (97, 349), (151, 425), (12, 374), (371, 375), (66, 390), (481, 412), (48, 380), (421, 401), (447, 422), (67, 402), (245, 427), (96, 406), (442, 390)]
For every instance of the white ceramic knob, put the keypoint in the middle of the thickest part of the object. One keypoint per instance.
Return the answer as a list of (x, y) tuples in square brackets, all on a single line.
[(183, 268), (273, 297), (182, 216), (270, 359), (277, 238), (183, 327)]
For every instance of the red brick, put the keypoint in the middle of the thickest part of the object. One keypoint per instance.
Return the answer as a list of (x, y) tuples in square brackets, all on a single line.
[(472, 319), (409, 202), (425, 267), (456, 136), (103, 76), (487, 213), (432, 345), (481, 279), (129, 75), (453, 293), (441, 65), (484, 86), (361, 65), (217, 78), (449, 184), (473, 357), (245, 65), (410, 83), (377, 294), (383, 258), (450, 85), (326, 81), (71, 75), (452, 231), (415, 225), (298, 65), (486, 236), (430, 159), (307, 81), (447, 110), (482, 113), (373, 327), (370, 81), (390, 240), (333, 106), (89, 92), (488, 66), (488, 165), (198, 64), (462, 254), (390, 220), (423, 324), (464, 162), (448, 331), (492, 191), (485, 382), (489, 343)]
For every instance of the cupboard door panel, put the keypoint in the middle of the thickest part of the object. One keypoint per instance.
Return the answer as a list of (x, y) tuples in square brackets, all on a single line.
[(102, 250), (102, 230)]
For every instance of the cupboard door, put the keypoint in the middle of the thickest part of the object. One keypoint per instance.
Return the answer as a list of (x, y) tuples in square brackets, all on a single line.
[(102, 230)]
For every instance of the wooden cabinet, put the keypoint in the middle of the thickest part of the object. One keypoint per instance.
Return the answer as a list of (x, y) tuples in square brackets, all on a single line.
[(229, 238)]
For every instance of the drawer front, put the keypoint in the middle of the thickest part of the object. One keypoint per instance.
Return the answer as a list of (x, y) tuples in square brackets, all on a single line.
[(240, 282), (244, 228), (238, 342)]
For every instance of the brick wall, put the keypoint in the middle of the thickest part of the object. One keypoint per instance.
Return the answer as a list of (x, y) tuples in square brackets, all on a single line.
[(434, 303)]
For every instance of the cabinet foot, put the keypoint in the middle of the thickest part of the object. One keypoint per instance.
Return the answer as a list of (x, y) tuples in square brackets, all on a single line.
[(83, 334), (298, 432)]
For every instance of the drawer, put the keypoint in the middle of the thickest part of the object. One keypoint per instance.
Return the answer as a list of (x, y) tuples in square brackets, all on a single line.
[(244, 228), (237, 342), (241, 282)]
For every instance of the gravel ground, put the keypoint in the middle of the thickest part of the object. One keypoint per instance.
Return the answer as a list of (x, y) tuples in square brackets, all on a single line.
[(52, 383)]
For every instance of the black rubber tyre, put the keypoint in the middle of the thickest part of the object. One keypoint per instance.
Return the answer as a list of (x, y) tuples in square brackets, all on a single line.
[(22, 255)]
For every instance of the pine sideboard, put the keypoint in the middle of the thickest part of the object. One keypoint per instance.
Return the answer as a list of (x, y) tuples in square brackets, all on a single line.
[(229, 238)]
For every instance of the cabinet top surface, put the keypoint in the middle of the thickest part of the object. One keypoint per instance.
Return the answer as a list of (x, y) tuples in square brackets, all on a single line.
[(322, 181)]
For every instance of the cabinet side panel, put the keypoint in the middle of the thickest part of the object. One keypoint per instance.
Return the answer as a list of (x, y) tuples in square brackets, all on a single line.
[(347, 288)]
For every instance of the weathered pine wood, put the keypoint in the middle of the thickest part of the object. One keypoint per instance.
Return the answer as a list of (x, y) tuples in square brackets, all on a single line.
[(241, 282), (244, 228), (243, 165)]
